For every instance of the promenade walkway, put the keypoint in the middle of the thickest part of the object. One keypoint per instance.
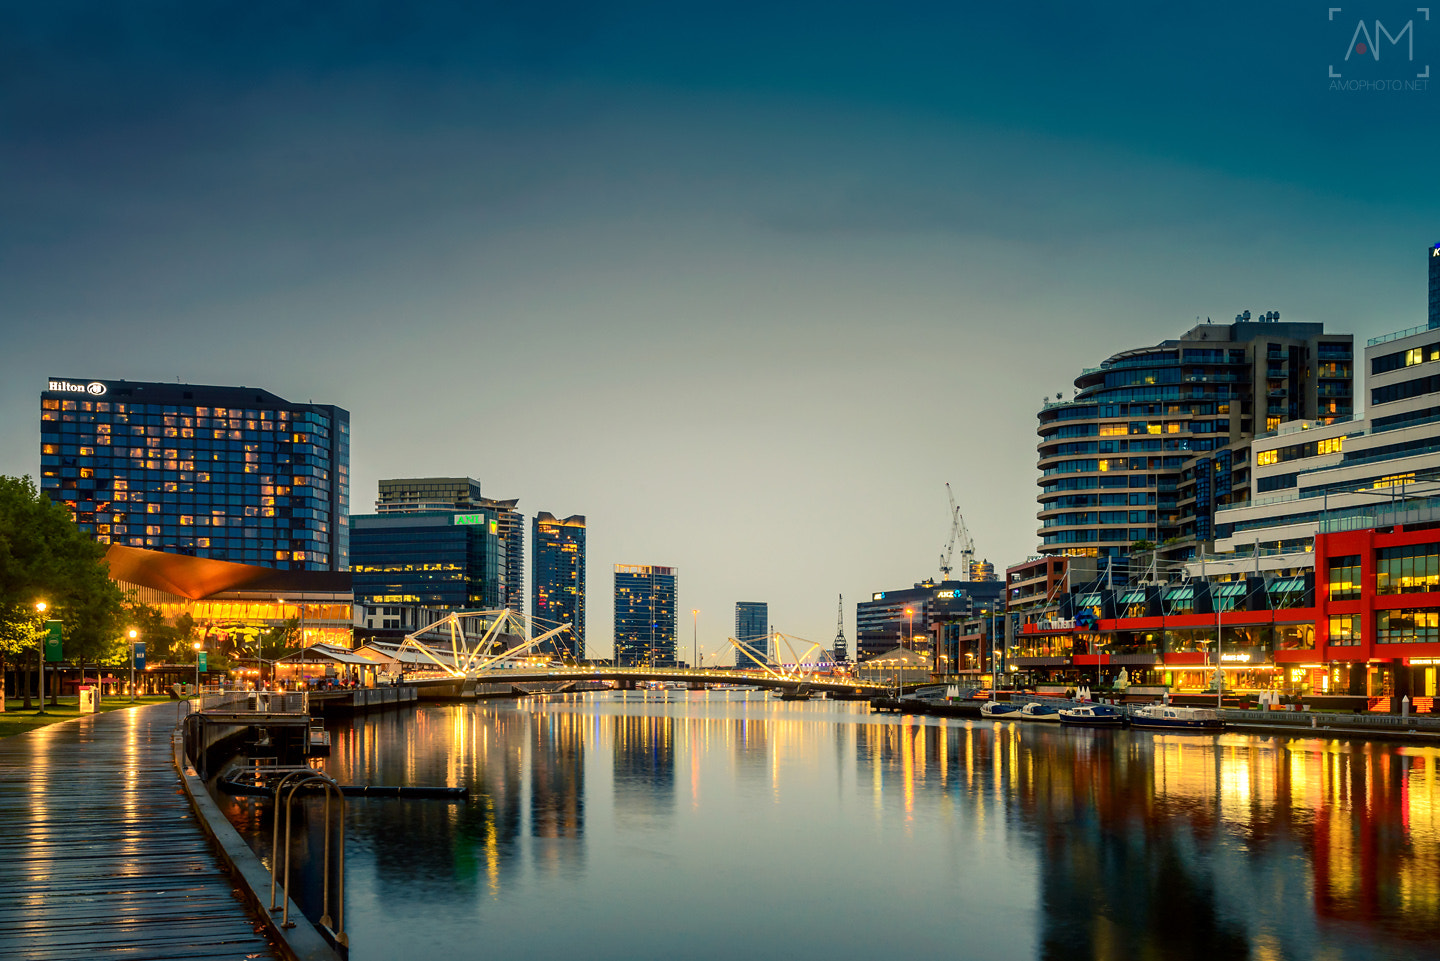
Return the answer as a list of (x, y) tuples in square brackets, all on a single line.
[(100, 853)]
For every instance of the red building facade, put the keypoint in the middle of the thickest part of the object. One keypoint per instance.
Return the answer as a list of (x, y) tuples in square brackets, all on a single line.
[(1363, 632)]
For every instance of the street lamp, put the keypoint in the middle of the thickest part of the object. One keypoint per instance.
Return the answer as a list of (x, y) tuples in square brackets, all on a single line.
[(199, 646), (40, 608), (694, 636), (910, 617), (133, 635)]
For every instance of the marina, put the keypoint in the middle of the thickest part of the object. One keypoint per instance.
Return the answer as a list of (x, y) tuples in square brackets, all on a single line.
[(645, 813)]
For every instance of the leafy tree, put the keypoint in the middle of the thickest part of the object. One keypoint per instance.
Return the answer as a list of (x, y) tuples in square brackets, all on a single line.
[(1141, 546), (44, 556)]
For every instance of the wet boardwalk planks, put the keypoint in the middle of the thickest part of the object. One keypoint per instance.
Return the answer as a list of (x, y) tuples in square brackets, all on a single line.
[(100, 854)]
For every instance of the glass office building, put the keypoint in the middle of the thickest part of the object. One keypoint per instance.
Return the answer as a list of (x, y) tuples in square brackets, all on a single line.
[(231, 473), (411, 495), (1434, 256), (557, 592), (645, 615), (440, 559), (752, 626)]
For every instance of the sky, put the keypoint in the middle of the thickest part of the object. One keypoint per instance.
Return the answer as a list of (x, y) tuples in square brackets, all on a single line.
[(744, 284)]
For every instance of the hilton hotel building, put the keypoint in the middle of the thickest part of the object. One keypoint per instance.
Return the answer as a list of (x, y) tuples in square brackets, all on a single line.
[(232, 473)]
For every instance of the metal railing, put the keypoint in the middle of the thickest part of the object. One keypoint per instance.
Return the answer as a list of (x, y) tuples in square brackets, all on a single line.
[(294, 781), (1315, 719), (1398, 335), (259, 702)]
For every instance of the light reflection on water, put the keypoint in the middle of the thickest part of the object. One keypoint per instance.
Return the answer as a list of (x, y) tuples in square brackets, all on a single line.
[(700, 825)]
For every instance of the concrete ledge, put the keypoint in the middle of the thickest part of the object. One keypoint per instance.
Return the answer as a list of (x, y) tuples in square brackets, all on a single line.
[(300, 943)]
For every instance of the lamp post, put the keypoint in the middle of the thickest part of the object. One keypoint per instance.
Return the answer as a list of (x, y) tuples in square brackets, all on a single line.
[(133, 635), (199, 646), (40, 608), (910, 617), (694, 636)]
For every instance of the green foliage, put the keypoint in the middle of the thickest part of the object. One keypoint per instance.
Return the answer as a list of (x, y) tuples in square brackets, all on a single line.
[(1140, 547), (44, 556)]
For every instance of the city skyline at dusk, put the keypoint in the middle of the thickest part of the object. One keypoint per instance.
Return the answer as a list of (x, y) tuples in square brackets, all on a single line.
[(745, 289)]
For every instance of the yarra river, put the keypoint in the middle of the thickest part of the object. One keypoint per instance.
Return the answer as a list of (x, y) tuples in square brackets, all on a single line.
[(729, 824)]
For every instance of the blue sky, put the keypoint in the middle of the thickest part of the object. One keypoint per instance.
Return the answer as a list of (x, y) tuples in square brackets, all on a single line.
[(744, 284)]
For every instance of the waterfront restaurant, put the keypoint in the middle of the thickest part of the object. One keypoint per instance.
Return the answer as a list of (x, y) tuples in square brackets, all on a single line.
[(229, 601), (1365, 636)]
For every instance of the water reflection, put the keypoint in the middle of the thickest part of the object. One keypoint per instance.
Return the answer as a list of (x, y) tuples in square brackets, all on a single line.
[(637, 825)]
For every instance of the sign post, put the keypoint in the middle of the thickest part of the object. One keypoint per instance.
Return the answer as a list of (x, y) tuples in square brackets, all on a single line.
[(53, 645)]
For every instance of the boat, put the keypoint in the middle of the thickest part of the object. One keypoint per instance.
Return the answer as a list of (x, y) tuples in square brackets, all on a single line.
[(1092, 715), (999, 709), (1163, 717), (1037, 711)]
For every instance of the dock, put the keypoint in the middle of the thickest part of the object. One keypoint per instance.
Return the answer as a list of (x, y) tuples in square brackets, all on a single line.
[(103, 855)]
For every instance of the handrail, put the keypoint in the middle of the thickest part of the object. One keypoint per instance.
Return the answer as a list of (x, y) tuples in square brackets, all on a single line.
[(303, 778)]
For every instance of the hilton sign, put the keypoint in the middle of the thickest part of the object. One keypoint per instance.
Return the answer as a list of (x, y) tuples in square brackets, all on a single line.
[(66, 387)]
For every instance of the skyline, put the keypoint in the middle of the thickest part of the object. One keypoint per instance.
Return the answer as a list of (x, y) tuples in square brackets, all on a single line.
[(744, 288)]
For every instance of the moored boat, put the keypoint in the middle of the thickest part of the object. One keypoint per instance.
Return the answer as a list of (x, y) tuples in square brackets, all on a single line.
[(1092, 715), (1163, 717), (1037, 711), (999, 709)]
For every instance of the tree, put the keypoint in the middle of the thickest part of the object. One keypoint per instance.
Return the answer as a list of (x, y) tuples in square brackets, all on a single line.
[(44, 556)]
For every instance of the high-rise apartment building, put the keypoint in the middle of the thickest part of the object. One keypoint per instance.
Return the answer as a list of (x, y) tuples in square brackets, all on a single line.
[(1156, 438), (461, 494), (645, 615), (232, 473), (557, 583), (752, 619), (982, 571)]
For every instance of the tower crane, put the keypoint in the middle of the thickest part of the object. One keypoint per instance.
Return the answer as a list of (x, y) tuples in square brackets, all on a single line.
[(958, 532)]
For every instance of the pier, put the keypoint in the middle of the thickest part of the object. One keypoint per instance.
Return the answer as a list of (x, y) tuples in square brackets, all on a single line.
[(103, 855)]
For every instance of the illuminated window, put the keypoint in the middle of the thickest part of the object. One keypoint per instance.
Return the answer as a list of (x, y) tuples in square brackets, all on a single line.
[(1271, 423), (1345, 577), (1345, 630), (1265, 457), (1331, 446)]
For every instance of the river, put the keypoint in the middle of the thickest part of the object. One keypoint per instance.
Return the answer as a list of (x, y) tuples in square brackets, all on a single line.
[(727, 824)]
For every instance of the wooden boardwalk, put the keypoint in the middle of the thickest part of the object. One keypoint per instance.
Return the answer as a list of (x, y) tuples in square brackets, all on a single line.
[(100, 853)]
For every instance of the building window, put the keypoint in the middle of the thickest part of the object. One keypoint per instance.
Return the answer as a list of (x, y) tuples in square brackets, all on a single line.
[(1294, 637), (1345, 577), (1407, 626), (1345, 630), (1407, 570)]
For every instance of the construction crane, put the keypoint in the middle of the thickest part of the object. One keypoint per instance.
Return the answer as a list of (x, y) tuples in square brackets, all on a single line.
[(958, 532)]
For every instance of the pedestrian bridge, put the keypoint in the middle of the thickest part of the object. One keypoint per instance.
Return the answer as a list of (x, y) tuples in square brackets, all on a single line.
[(496, 647), (839, 684)]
